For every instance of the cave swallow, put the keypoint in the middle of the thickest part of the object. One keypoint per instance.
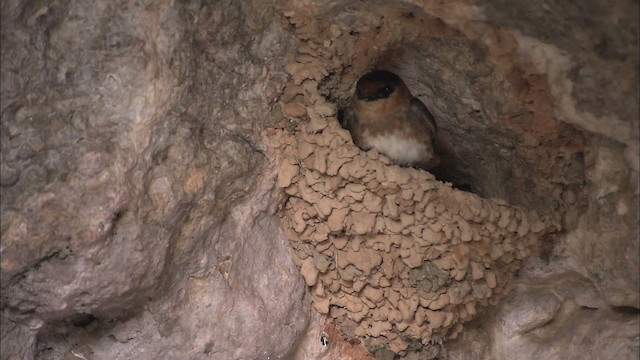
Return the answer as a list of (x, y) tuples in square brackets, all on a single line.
[(385, 116)]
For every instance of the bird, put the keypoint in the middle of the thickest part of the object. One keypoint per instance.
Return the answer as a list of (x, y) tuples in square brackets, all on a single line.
[(385, 116)]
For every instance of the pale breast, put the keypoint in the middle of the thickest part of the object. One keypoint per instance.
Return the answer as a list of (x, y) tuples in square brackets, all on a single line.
[(401, 149)]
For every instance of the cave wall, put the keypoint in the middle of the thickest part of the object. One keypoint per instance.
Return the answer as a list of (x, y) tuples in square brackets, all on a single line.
[(141, 215), (128, 159)]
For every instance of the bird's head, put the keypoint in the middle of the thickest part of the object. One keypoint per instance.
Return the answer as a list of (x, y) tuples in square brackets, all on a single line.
[(379, 85)]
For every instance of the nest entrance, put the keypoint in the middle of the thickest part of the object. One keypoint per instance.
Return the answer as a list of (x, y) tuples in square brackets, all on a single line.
[(491, 140)]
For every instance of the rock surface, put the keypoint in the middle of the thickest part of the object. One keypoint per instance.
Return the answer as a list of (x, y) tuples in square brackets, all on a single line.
[(141, 212), (137, 216), (553, 312)]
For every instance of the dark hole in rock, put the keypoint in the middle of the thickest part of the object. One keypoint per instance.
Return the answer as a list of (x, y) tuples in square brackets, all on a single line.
[(82, 320), (630, 310), (324, 340), (208, 347)]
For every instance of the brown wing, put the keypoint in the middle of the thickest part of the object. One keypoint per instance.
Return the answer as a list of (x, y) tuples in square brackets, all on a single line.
[(418, 109)]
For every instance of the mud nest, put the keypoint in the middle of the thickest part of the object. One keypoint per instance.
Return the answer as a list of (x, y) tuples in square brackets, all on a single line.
[(398, 255), (391, 253)]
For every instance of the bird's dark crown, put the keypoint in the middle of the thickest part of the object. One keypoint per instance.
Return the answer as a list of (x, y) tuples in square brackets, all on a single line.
[(377, 84)]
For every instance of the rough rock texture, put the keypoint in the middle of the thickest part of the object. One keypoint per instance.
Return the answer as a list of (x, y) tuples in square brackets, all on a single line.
[(392, 254), (140, 209), (556, 305), (133, 199)]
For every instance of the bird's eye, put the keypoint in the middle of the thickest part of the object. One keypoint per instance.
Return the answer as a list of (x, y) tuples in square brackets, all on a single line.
[(386, 91)]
